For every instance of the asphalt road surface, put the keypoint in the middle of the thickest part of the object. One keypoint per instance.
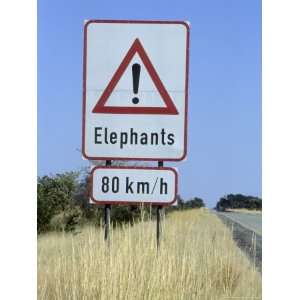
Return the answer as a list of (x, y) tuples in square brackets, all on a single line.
[(250, 221), (246, 231)]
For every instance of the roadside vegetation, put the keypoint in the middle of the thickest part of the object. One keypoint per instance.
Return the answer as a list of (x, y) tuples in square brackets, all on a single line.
[(238, 202), (62, 204), (197, 259)]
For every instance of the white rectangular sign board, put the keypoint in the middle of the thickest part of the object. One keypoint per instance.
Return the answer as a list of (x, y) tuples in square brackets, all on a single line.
[(133, 185), (135, 90)]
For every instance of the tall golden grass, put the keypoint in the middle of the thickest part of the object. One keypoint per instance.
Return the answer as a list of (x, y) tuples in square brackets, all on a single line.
[(197, 259)]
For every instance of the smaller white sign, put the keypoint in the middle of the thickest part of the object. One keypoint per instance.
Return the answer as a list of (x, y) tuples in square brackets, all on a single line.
[(133, 185)]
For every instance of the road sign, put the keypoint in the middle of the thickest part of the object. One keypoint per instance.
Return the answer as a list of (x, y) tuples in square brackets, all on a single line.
[(135, 90), (133, 185)]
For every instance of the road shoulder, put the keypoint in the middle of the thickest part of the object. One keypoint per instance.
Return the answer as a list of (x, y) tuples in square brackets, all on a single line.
[(246, 239)]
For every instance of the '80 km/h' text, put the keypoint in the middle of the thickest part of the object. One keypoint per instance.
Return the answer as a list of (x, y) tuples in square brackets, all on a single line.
[(134, 184)]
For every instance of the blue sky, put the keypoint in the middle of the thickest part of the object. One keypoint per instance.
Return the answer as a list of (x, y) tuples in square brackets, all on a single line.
[(224, 140)]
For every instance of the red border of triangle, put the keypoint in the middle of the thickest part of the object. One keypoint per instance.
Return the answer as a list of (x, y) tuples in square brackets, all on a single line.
[(170, 108)]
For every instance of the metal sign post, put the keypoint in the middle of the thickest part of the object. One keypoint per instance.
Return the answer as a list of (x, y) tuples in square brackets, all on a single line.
[(107, 213), (158, 215), (106, 221), (158, 226)]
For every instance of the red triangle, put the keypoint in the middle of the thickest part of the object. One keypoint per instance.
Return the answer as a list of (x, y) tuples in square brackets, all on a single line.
[(170, 108)]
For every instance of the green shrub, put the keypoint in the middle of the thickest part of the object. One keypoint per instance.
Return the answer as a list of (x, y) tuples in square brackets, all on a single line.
[(54, 196), (67, 220)]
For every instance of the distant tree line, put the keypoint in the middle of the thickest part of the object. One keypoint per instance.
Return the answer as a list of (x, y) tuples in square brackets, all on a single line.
[(62, 204), (192, 203), (236, 201)]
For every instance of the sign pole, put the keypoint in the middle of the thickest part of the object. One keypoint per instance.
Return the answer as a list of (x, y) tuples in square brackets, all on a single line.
[(158, 215), (107, 213), (106, 221), (158, 226)]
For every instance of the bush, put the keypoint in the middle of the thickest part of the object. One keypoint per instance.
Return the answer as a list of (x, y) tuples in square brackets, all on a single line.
[(234, 201), (54, 196), (66, 220), (63, 203), (194, 203)]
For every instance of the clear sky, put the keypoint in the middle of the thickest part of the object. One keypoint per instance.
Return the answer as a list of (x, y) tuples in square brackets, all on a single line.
[(224, 136)]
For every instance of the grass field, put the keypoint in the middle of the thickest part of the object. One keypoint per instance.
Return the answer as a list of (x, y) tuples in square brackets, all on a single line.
[(197, 260)]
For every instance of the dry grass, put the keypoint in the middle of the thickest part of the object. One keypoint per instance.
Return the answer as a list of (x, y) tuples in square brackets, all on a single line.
[(197, 260)]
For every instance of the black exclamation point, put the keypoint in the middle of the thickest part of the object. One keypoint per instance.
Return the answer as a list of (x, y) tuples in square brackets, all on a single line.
[(136, 69)]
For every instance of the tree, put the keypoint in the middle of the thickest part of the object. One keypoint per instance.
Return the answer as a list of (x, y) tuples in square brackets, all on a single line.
[(54, 195), (63, 203), (234, 201), (194, 203)]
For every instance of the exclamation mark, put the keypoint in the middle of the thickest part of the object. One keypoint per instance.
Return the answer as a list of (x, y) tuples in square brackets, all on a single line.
[(136, 70)]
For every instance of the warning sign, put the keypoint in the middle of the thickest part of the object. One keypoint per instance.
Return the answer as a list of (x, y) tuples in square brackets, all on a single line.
[(169, 107), (135, 90)]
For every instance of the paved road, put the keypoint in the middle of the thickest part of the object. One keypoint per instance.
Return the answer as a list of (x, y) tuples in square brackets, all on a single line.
[(249, 220), (245, 229)]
